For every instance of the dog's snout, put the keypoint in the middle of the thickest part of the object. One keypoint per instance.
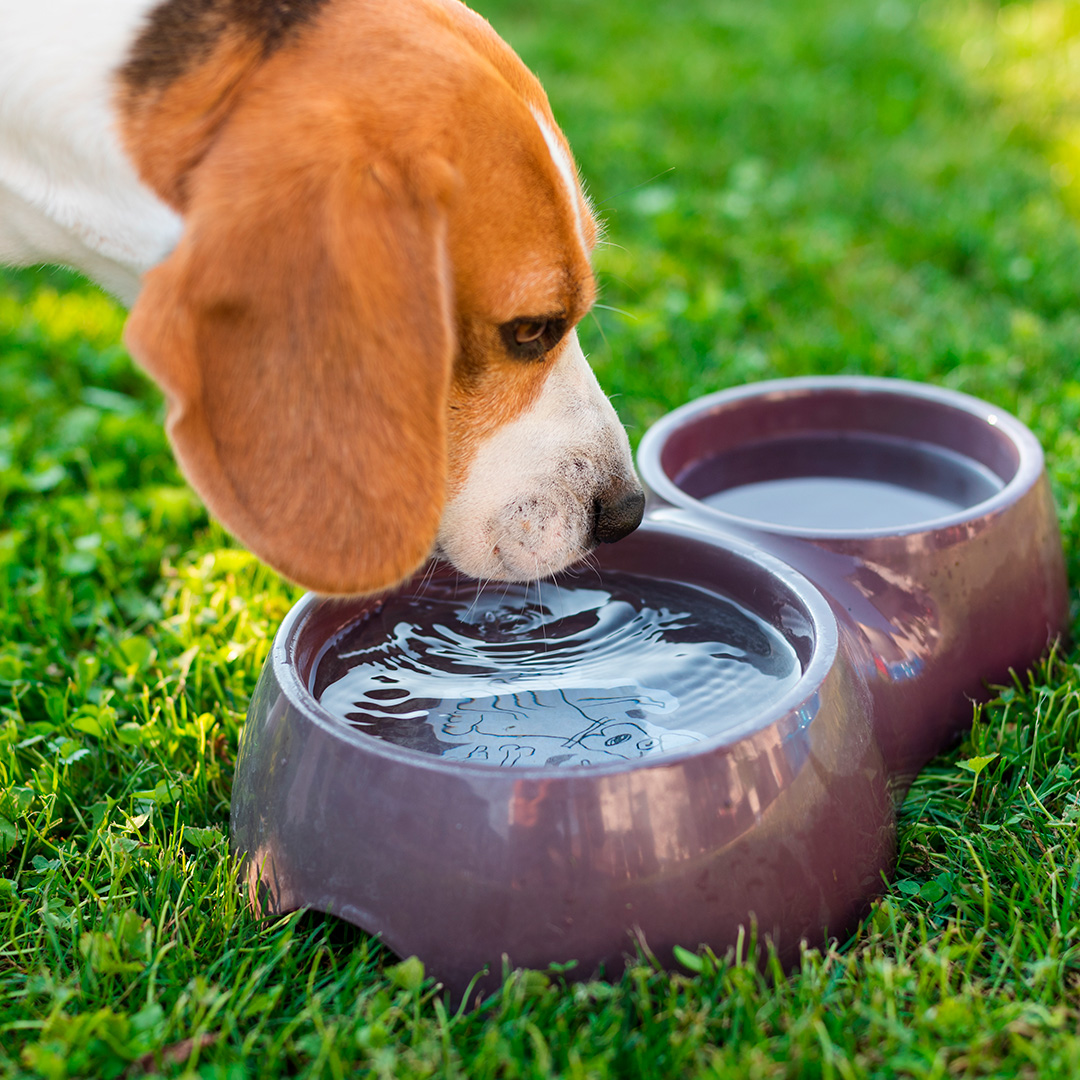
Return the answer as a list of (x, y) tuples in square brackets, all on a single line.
[(618, 515)]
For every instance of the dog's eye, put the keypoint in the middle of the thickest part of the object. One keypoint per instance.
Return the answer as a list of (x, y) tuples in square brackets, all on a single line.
[(531, 339), (524, 332)]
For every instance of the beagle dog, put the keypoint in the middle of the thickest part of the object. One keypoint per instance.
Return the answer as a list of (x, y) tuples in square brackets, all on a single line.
[(355, 249)]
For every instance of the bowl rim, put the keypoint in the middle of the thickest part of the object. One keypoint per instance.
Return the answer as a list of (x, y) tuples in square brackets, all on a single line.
[(1030, 459), (284, 660)]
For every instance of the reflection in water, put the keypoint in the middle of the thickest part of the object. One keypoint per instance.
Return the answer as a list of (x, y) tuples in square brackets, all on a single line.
[(554, 674)]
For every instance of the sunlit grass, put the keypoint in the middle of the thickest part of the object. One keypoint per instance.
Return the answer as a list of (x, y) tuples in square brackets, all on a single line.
[(85, 317), (1028, 56)]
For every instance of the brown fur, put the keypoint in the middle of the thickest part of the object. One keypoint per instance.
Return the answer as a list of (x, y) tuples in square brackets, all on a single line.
[(180, 35), (364, 208)]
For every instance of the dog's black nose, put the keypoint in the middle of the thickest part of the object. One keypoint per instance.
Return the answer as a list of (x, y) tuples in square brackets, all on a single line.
[(618, 516)]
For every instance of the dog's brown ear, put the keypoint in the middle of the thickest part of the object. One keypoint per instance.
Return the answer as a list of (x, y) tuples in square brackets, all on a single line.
[(301, 331)]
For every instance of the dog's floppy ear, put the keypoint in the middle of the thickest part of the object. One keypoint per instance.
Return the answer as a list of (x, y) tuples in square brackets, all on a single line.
[(301, 331)]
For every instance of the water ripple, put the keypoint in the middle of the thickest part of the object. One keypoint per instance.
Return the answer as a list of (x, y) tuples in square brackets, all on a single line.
[(577, 672)]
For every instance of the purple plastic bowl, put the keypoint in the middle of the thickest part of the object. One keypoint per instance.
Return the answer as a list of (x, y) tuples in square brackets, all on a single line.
[(933, 609), (788, 822)]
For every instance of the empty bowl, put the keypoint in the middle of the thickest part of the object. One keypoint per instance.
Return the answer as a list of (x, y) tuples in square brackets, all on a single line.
[(706, 725)]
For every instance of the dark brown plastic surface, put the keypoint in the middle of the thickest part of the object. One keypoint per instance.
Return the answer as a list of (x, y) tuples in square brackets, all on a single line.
[(789, 822)]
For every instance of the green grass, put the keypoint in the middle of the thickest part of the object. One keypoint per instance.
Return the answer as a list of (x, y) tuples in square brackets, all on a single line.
[(790, 188)]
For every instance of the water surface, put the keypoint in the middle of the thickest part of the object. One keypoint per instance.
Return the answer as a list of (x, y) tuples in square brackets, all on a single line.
[(841, 481), (580, 672)]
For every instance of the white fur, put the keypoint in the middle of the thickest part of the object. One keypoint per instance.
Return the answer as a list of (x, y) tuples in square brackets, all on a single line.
[(68, 194), (527, 508), (567, 171)]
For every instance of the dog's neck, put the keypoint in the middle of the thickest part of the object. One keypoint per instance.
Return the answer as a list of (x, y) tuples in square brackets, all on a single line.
[(68, 193)]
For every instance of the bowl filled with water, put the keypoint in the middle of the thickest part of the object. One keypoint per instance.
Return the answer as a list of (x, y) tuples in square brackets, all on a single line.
[(838, 457), (708, 724), (924, 515)]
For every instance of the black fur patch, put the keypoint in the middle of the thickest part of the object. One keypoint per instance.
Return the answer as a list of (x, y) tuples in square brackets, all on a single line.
[(180, 34)]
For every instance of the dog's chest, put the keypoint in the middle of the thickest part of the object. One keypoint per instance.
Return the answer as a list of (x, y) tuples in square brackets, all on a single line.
[(68, 193)]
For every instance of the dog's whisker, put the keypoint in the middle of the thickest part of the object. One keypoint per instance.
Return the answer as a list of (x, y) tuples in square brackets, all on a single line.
[(600, 327), (429, 574), (607, 202), (590, 560), (481, 584), (618, 311), (540, 606)]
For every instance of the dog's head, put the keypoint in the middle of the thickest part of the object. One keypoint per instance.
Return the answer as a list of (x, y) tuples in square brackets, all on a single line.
[(366, 334)]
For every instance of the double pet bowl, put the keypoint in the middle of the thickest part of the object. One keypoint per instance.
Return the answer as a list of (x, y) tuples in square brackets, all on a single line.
[(903, 540)]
